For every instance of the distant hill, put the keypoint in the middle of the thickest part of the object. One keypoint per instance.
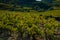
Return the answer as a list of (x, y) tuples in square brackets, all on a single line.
[(21, 4)]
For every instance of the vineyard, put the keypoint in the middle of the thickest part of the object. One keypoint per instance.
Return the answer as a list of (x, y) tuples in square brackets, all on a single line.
[(29, 25)]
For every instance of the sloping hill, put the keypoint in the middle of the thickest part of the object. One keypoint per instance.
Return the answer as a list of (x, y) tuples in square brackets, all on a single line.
[(38, 6)]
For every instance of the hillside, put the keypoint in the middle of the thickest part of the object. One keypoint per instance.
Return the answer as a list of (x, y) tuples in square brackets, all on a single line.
[(17, 4), (29, 20)]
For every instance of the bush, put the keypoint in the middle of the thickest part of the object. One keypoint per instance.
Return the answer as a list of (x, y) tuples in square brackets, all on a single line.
[(28, 23)]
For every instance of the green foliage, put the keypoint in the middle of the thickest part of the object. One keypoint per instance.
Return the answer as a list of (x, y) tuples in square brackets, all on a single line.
[(30, 22)]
